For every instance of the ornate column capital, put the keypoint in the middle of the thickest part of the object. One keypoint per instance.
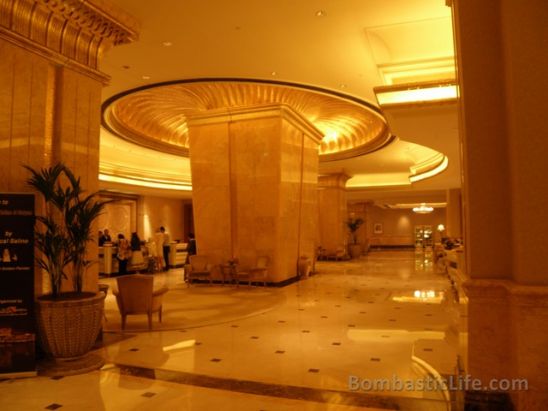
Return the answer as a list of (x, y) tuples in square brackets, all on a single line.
[(71, 33)]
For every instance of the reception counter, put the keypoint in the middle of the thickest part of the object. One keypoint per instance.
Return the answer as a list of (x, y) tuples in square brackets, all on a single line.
[(177, 254)]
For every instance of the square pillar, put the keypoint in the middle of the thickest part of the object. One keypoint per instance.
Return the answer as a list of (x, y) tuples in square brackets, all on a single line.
[(254, 177)]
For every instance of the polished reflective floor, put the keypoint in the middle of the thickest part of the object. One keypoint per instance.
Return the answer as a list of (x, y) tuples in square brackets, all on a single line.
[(360, 334)]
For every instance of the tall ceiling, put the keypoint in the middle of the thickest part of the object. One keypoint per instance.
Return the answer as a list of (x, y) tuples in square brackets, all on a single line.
[(347, 46)]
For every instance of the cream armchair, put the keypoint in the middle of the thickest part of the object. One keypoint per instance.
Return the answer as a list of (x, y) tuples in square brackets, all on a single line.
[(257, 273), (197, 268), (135, 295)]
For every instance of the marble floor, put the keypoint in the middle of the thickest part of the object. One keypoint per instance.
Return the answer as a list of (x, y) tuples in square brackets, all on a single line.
[(317, 344)]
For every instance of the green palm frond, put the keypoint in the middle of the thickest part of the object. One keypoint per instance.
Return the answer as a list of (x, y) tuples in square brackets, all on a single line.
[(65, 231)]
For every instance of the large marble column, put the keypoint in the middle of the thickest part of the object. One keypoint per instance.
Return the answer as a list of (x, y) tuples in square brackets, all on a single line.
[(332, 210), (501, 52), (254, 178), (50, 90)]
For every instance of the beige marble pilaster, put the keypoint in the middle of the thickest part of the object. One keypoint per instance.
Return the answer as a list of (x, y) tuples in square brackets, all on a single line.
[(254, 174), (332, 210), (50, 90), (503, 110)]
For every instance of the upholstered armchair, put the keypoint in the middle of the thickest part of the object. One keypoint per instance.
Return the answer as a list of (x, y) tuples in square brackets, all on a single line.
[(257, 273), (136, 295), (198, 268)]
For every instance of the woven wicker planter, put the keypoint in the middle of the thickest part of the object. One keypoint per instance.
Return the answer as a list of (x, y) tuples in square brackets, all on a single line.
[(68, 327)]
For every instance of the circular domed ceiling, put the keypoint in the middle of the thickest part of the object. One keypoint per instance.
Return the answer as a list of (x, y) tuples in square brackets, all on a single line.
[(156, 116)]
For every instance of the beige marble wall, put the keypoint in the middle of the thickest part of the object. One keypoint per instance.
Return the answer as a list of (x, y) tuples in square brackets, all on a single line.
[(398, 226), (253, 181), (154, 212), (332, 211)]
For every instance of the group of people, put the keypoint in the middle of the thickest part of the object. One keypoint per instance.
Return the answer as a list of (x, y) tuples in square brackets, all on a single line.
[(130, 251)]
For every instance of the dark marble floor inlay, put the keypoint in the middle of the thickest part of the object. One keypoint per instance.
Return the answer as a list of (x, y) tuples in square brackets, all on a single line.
[(254, 337), (324, 316), (134, 349), (53, 406), (385, 336), (351, 325), (215, 360), (292, 392), (279, 352), (148, 394), (336, 343), (197, 343), (375, 359), (281, 321), (392, 320), (234, 326), (57, 377), (428, 349), (306, 331), (363, 312)]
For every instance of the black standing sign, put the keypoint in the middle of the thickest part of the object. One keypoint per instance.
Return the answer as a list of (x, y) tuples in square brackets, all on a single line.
[(17, 323)]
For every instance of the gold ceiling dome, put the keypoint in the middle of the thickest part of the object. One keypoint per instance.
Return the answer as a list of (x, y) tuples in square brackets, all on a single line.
[(156, 116)]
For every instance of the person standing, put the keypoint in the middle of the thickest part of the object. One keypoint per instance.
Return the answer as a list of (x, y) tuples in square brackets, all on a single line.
[(159, 250), (124, 252), (191, 247), (136, 253), (165, 247)]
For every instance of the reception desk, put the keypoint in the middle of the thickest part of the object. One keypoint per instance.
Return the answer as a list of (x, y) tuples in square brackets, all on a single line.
[(108, 264), (177, 254)]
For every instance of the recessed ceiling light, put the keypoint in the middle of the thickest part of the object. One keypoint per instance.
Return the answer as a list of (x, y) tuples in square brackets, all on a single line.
[(167, 44), (342, 85), (321, 13), (274, 73), (146, 77)]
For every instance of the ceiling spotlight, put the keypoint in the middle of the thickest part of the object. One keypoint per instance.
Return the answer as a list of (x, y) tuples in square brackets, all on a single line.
[(146, 77), (320, 13), (274, 73), (167, 44)]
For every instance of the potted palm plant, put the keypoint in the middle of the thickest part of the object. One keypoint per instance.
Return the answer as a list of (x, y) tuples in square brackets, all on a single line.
[(353, 225), (68, 319)]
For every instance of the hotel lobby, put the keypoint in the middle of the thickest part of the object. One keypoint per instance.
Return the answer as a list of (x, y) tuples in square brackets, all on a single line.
[(268, 129)]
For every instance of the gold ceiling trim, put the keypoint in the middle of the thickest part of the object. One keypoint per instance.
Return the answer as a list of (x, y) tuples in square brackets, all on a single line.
[(157, 116), (74, 33)]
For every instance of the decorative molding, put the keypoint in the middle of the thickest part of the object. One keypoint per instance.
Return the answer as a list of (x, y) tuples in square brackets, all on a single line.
[(282, 111), (503, 290), (157, 115), (73, 33)]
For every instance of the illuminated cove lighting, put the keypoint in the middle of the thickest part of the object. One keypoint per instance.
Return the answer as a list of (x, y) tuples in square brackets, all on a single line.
[(144, 183), (432, 172), (416, 93)]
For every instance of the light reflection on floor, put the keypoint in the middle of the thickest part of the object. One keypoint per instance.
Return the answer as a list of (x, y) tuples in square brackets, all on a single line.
[(384, 316)]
